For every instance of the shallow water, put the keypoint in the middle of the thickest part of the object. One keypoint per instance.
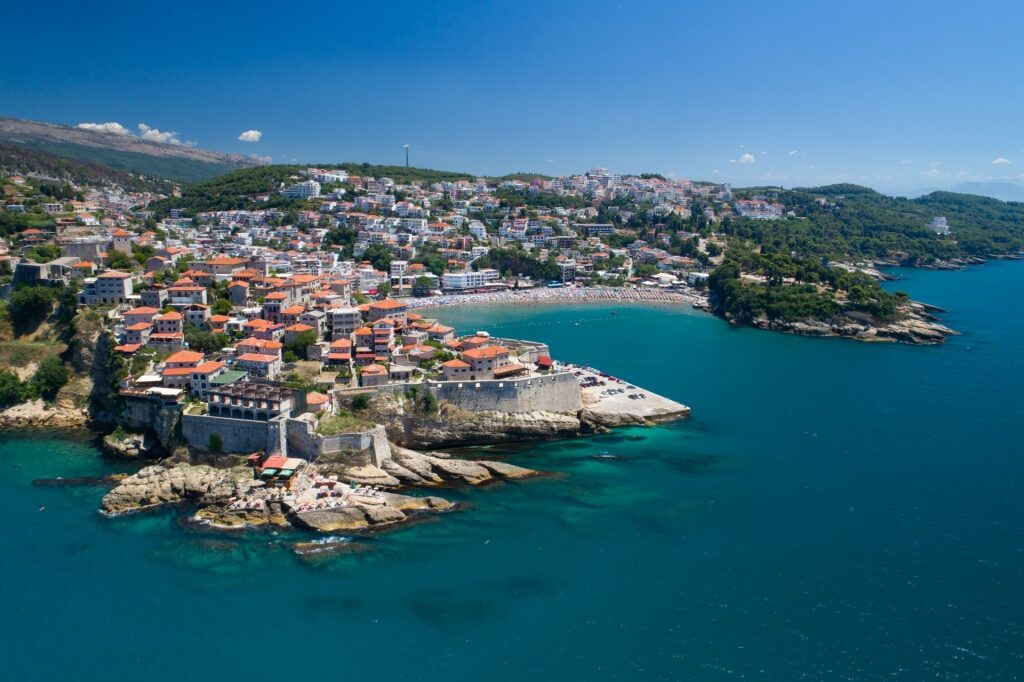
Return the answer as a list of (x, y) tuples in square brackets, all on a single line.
[(833, 510)]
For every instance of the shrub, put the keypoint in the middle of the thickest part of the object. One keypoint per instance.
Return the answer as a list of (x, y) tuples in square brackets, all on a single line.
[(50, 377), (361, 401), (215, 444)]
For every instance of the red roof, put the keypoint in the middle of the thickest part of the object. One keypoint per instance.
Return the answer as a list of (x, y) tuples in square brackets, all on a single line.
[(257, 357), (185, 356), (274, 462)]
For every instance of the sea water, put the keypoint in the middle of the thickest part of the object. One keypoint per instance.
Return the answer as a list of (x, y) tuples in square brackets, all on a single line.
[(833, 510)]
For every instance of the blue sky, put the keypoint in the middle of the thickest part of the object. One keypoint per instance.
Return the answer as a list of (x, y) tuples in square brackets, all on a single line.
[(895, 95)]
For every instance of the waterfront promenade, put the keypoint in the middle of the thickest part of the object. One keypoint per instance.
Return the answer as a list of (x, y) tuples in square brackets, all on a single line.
[(565, 295)]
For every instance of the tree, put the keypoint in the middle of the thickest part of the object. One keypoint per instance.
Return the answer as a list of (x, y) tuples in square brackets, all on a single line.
[(50, 377), (297, 346), (29, 306), (12, 389), (361, 401), (118, 260), (383, 289), (44, 253), (204, 341), (379, 255), (222, 306), (215, 443)]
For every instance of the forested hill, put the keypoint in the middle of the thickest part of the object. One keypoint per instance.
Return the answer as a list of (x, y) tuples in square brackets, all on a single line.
[(236, 190), (844, 222)]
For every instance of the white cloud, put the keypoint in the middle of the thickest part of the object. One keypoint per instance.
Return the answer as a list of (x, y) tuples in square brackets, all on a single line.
[(112, 127), (261, 159), (250, 136), (932, 172), (155, 135), (1001, 161), (906, 162), (748, 158), (793, 153)]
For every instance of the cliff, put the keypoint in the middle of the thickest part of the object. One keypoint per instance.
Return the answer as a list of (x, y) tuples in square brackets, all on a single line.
[(449, 425)]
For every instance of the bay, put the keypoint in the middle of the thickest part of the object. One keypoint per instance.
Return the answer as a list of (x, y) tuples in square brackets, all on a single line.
[(832, 510)]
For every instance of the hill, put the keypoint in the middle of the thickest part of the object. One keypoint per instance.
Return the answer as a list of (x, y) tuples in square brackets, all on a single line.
[(842, 222), (1006, 191), (236, 190), (125, 153), (25, 160)]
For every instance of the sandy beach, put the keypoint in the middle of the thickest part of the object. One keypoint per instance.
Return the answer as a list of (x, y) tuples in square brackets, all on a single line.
[(564, 294)]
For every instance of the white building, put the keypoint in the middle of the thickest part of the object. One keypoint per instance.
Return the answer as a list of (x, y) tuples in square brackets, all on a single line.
[(469, 279), (110, 287), (303, 190)]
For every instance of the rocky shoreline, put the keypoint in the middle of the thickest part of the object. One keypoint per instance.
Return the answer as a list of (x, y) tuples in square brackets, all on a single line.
[(916, 326), (231, 498), (37, 414)]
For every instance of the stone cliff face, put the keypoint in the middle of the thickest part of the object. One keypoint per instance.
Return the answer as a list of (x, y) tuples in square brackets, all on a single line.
[(451, 426), (149, 415)]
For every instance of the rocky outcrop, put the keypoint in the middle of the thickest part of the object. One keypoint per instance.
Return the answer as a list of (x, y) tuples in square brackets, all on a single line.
[(38, 414), (158, 485), (417, 468), (131, 445), (915, 325)]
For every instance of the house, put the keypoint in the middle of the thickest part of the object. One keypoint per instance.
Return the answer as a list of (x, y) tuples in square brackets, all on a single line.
[(340, 352), (455, 370), (294, 331), (169, 323), (491, 362), (140, 314), (344, 322), (440, 333), (187, 294), (259, 347), (259, 365), (154, 296), (197, 315), (400, 372), (177, 372), (388, 308), (138, 333), (203, 374), (111, 287), (238, 293), (373, 375)]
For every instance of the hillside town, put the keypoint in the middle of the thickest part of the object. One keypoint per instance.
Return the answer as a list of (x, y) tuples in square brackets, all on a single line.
[(264, 315)]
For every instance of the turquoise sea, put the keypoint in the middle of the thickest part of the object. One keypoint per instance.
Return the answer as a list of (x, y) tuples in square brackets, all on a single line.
[(832, 511)]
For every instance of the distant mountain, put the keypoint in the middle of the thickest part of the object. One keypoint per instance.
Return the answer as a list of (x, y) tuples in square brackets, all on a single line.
[(126, 153), (18, 159), (1006, 191)]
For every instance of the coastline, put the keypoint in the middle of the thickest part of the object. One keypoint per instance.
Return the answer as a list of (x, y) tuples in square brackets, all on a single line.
[(563, 295)]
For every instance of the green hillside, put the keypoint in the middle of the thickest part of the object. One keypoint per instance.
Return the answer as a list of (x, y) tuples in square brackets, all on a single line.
[(172, 168)]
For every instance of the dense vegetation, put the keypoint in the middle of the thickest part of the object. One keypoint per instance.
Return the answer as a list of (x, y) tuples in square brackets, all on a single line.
[(514, 261), (791, 289), (515, 198), (859, 223)]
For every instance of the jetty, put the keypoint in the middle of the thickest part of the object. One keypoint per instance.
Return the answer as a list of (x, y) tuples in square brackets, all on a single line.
[(614, 400)]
